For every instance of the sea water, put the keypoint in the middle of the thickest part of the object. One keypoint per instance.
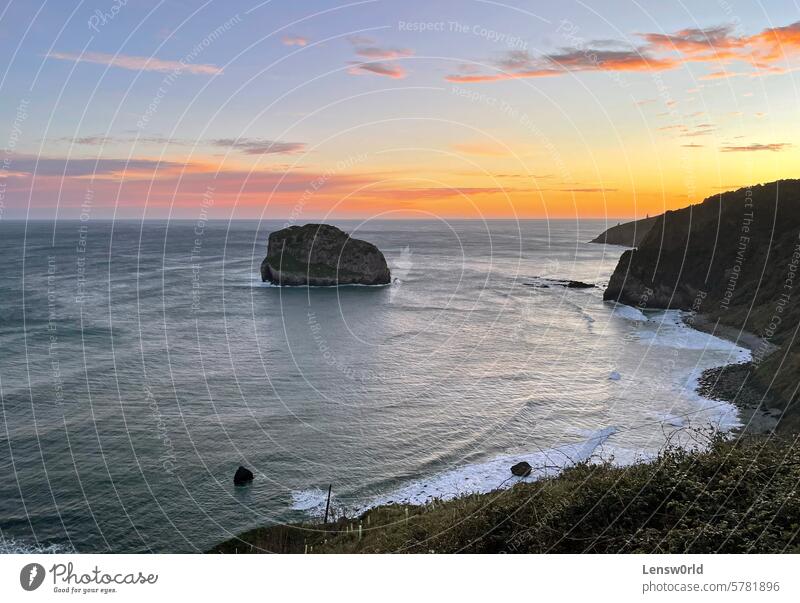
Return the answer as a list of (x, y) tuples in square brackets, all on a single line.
[(142, 363)]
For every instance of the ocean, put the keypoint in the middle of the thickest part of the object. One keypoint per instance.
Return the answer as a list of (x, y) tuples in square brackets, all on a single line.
[(142, 363)]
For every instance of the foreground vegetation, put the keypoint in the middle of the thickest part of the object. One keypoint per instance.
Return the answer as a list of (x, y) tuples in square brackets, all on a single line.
[(739, 496)]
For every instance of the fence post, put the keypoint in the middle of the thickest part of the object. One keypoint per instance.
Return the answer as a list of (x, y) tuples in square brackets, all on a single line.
[(328, 504)]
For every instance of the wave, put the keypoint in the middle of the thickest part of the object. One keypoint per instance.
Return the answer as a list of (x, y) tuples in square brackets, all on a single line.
[(628, 313), (667, 329), (475, 478), (10, 546), (258, 283)]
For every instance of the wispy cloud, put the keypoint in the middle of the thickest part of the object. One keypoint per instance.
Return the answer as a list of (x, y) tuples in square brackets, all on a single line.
[(659, 52), (381, 61), (295, 40), (443, 192), (773, 147), (375, 52), (135, 63), (391, 70), (260, 146), (79, 167), (519, 64)]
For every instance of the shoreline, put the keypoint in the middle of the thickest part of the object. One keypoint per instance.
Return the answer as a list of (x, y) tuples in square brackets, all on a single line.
[(733, 382), (728, 382)]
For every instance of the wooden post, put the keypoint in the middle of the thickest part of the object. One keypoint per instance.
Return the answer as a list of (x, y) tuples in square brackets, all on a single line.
[(328, 504)]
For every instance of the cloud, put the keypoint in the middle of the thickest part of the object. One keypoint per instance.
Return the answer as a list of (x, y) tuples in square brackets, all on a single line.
[(776, 42), (609, 60), (699, 130), (689, 131), (357, 40), (63, 166), (442, 192), (391, 70), (88, 140), (694, 40), (519, 64), (382, 60), (295, 40), (660, 52), (720, 75), (136, 63), (374, 52), (773, 147), (260, 146)]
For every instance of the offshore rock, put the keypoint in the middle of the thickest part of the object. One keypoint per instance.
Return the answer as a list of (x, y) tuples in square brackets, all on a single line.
[(320, 255)]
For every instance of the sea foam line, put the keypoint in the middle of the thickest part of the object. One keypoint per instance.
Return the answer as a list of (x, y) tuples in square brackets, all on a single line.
[(475, 478)]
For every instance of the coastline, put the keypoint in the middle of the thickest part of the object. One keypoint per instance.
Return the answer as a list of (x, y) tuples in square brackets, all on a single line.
[(733, 382), (728, 382)]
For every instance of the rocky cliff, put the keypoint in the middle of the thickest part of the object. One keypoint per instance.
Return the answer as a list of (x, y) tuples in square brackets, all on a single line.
[(321, 255), (732, 258), (628, 234)]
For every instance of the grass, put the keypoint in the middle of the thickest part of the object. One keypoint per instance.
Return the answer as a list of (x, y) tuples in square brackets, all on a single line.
[(740, 496)]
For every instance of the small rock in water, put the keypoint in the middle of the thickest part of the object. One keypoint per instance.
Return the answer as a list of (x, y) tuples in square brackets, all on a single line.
[(522, 469), (242, 476), (615, 376)]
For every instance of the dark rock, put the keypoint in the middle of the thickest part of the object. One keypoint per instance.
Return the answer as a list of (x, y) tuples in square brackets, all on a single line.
[(544, 283), (242, 476), (321, 255), (728, 259), (522, 469), (629, 234), (579, 285)]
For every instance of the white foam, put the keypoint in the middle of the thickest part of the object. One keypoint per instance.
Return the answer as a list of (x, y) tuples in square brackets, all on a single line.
[(256, 281), (671, 419), (495, 473), (309, 500), (475, 478), (667, 329), (628, 313), (10, 546)]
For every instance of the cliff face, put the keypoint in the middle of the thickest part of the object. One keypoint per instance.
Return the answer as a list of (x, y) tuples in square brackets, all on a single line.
[(629, 234), (321, 255), (735, 258)]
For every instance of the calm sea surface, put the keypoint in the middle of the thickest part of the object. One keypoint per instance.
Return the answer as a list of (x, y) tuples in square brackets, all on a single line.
[(141, 364)]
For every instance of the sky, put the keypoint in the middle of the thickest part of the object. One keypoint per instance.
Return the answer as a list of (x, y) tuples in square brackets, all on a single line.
[(383, 109)]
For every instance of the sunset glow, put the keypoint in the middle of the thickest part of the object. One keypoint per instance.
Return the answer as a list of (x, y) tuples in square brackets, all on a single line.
[(379, 109)]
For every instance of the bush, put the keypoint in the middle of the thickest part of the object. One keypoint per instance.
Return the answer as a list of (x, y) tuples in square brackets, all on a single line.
[(738, 497)]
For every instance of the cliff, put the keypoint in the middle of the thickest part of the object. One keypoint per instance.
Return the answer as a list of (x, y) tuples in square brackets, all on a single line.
[(628, 234), (734, 259), (321, 255)]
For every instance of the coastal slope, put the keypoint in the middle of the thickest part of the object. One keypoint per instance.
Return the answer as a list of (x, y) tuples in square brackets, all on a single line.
[(732, 259), (739, 496), (627, 234)]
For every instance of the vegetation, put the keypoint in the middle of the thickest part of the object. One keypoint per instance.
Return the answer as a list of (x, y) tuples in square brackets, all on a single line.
[(734, 258), (287, 263), (739, 496)]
